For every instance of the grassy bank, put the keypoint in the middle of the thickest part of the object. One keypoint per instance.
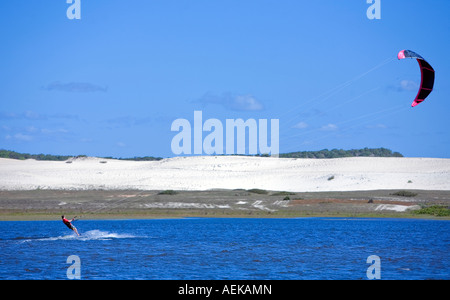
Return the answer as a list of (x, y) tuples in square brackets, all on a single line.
[(255, 203)]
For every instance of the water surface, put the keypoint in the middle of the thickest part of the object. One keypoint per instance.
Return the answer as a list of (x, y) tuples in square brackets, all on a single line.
[(209, 248)]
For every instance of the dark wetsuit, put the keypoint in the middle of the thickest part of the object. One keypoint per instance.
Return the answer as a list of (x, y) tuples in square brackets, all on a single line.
[(67, 223)]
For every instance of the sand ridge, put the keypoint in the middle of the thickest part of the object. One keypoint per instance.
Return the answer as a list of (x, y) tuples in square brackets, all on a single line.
[(228, 172)]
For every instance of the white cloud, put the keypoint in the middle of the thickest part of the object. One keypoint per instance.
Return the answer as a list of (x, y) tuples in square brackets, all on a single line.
[(300, 125), (75, 87), (232, 101), (245, 102), (19, 137), (34, 116), (329, 127), (54, 131), (32, 129), (404, 85), (408, 85), (32, 133), (377, 126)]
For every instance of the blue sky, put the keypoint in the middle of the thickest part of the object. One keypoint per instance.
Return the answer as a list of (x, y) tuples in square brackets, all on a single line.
[(112, 83)]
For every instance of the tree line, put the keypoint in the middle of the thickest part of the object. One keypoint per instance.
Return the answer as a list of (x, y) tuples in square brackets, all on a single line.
[(23, 156), (325, 153), (338, 153)]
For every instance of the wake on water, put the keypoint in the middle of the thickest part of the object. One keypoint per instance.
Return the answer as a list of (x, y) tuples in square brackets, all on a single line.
[(91, 235), (103, 235)]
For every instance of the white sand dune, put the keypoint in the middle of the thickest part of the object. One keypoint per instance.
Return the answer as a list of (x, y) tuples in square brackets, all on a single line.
[(229, 172)]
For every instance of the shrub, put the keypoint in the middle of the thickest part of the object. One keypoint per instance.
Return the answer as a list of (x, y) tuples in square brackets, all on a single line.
[(403, 193), (168, 192), (283, 194), (434, 210), (258, 191)]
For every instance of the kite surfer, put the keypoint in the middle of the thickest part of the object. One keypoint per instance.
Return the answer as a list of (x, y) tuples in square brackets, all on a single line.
[(69, 224)]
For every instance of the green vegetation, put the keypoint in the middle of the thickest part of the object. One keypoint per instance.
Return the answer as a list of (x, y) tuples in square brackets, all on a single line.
[(258, 191), (338, 153), (404, 193), (282, 193), (168, 192), (23, 156), (142, 158), (434, 210), (334, 153)]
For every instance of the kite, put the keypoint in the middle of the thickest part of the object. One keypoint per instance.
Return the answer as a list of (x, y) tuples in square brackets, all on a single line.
[(427, 78)]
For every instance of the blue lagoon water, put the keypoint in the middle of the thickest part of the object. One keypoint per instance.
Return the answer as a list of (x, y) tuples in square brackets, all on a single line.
[(209, 248)]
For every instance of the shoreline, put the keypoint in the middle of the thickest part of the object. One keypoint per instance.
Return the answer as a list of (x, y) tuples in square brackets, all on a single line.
[(156, 204), (53, 217), (223, 186)]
